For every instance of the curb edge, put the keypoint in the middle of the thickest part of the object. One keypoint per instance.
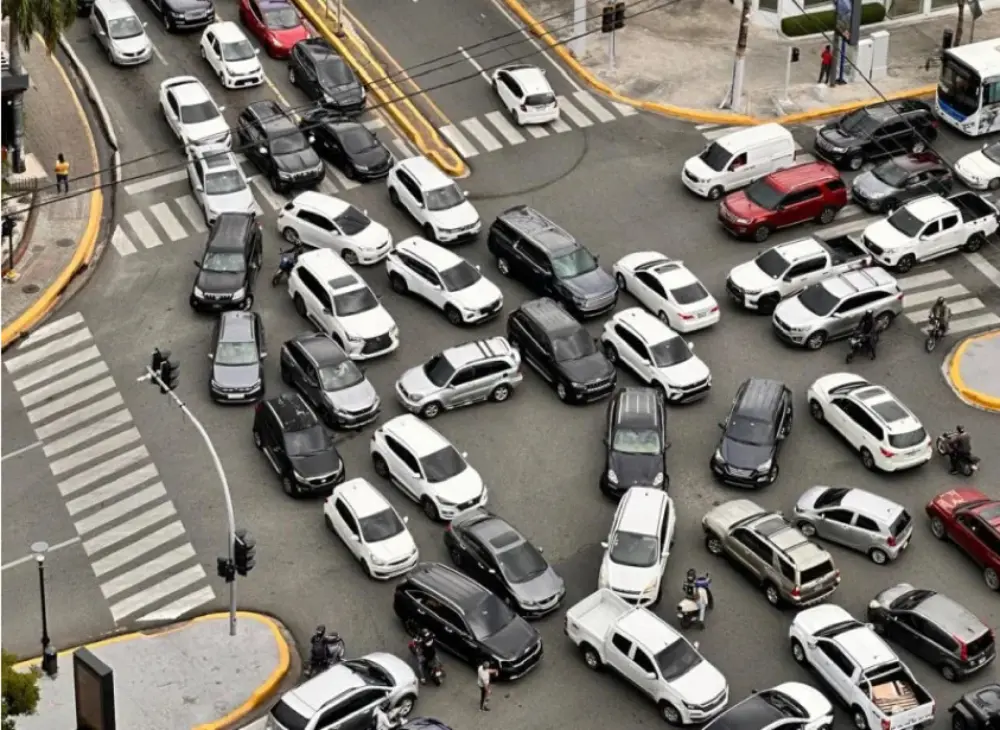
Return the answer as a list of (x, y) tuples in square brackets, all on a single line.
[(952, 374)]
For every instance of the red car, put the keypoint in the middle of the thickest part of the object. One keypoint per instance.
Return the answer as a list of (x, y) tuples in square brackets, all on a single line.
[(813, 191), (276, 24), (971, 520)]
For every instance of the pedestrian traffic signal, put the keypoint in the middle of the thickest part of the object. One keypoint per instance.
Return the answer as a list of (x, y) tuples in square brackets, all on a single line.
[(224, 567), (244, 552), (619, 16), (795, 54), (157, 360), (607, 18), (170, 372)]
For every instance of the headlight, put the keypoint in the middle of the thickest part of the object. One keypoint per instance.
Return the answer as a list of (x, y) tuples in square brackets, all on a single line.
[(742, 221), (612, 477), (355, 340), (276, 43), (199, 293), (752, 292), (284, 175), (362, 168), (446, 503), (298, 476), (327, 98), (378, 561), (215, 383), (766, 466), (658, 479), (717, 456), (240, 293), (602, 579)]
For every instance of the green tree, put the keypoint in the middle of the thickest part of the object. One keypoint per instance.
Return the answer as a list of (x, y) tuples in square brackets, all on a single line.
[(20, 692)]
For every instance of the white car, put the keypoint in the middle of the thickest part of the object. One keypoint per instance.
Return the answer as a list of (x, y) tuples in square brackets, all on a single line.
[(526, 94), (434, 201), (231, 56), (980, 170), (789, 706), (193, 115), (446, 280), (426, 467), (656, 354), (637, 548), (218, 184), (322, 221), (667, 289), (371, 529), (884, 432)]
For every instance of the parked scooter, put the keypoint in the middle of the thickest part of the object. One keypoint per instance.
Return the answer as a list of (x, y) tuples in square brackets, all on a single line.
[(967, 465)]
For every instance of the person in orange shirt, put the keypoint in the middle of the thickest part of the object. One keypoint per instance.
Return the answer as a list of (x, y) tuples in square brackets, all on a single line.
[(62, 174)]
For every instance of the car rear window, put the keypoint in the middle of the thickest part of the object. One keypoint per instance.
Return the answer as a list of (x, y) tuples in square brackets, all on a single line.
[(539, 99), (902, 522), (979, 645), (908, 439), (817, 571), (288, 718)]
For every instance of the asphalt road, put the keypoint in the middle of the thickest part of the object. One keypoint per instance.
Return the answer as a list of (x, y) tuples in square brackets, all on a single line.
[(616, 187)]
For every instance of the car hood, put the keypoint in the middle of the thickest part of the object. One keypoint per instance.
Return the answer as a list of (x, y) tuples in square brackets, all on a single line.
[(462, 215), (220, 281), (868, 186), (187, 6), (729, 513), (372, 237), (239, 202), (513, 640), (288, 37), (216, 127), (372, 323), (977, 165), (376, 156), (742, 207), (396, 547), (416, 383), (702, 684), (808, 499), (744, 456), (887, 237), (750, 277), (236, 376), (359, 397), (697, 168), (400, 671), (135, 44), (540, 588), (635, 470), (481, 294), (461, 488), (305, 159), (951, 500), (794, 313), (629, 579), (886, 597), (592, 285), (692, 370), (316, 465), (811, 699), (838, 138), (243, 68), (587, 369)]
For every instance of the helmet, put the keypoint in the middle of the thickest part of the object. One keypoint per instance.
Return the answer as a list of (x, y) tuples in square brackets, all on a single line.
[(426, 634), (321, 629), (960, 429), (940, 300)]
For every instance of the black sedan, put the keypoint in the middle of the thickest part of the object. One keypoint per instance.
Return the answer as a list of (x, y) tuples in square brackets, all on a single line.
[(496, 555), (316, 68), (237, 357), (347, 144)]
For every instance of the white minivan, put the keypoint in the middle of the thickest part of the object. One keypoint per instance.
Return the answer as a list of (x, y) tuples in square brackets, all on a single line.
[(737, 159)]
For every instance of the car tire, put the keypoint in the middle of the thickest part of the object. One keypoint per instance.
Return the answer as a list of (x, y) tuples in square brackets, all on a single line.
[(350, 172), (958, 722), (561, 392), (247, 304), (287, 485), (405, 706), (906, 263), (867, 460), (856, 163), (948, 672), (665, 318), (975, 242), (503, 266), (394, 197), (591, 658), (713, 544), (366, 568), (456, 556), (816, 411), (761, 234), (888, 206), (300, 306), (884, 321), (257, 440), (411, 627), (398, 284), (620, 281), (816, 340), (798, 653), (715, 193), (768, 303), (992, 579), (291, 76), (275, 183), (938, 529), (878, 556), (994, 184), (670, 714), (806, 528), (611, 353), (772, 594), (858, 719), (380, 467), (430, 509), (826, 216), (168, 24), (429, 233), (453, 315), (500, 393), (430, 410)]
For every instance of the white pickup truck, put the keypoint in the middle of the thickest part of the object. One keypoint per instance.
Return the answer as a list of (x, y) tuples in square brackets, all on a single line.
[(929, 227), (860, 669), (649, 653), (788, 268)]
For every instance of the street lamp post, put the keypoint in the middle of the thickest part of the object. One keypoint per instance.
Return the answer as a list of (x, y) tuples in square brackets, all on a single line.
[(50, 659)]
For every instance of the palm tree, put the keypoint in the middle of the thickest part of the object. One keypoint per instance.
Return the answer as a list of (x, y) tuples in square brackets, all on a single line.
[(47, 18), (960, 25)]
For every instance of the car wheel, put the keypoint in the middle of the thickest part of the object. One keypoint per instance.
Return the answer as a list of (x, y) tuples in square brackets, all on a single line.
[(404, 707), (867, 460), (500, 393), (798, 653), (937, 528), (771, 594), (111, 56), (827, 215), (906, 263), (300, 306), (168, 23), (974, 243), (380, 467), (918, 146), (994, 184), (662, 316), (456, 556), (772, 477), (398, 284), (611, 353), (816, 411), (431, 410), (366, 568), (761, 234), (856, 162), (884, 321), (411, 627), (878, 556), (859, 719), (286, 377), (502, 266), (670, 714), (430, 509), (816, 340), (889, 206), (992, 579), (453, 315), (715, 193), (958, 722), (203, 56), (350, 258), (620, 280), (257, 440), (562, 392), (948, 672), (807, 528), (287, 485), (247, 303), (713, 544), (291, 76), (350, 172), (394, 197), (590, 657), (275, 182), (429, 232)]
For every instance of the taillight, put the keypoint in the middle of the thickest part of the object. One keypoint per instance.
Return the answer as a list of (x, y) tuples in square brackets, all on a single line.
[(796, 592), (886, 724), (886, 453), (963, 649), (447, 528), (714, 309), (891, 542), (687, 316)]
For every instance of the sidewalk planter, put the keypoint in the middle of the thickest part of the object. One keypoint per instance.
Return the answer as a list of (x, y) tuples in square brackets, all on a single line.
[(824, 21)]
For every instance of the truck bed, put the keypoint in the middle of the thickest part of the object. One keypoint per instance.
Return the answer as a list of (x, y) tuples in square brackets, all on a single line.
[(896, 692), (596, 613), (972, 206), (842, 249)]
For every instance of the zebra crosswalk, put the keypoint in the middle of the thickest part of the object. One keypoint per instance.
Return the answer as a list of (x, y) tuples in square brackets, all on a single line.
[(920, 291), (128, 526)]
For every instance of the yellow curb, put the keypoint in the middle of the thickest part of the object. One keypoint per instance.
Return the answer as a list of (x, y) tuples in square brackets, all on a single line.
[(988, 402), (256, 699), (84, 248), (440, 153), (829, 111)]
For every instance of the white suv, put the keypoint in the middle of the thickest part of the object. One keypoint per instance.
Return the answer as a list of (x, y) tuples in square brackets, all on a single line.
[(526, 94), (449, 282), (322, 221), (656, 354), (332, 296), (433, 200), (636, 552), (425, 465), (884, 432), (371, 529)]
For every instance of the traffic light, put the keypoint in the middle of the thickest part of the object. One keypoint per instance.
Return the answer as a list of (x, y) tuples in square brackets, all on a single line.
[(156, 361), (244, 552), (170, 371), (607, 18), (795, 54), (224, 567), (619, 16)]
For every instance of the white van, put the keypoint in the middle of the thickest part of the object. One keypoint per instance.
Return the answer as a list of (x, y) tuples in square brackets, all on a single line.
[(739, 158)]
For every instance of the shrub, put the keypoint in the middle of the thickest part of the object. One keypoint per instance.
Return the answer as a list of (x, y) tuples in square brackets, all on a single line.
[(20, 691), (824, 21)]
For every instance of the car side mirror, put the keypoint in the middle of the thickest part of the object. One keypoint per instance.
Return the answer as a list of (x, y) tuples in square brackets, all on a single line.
[(754, 691), (465, 193), (101, 33), (197, 263), (256, 51), (696, 645), (262, 150), (222, 109), (667, 446), (478, 267), (491, 571), (211, 356), (326, 310), (199, 187), (604, 545), (263, 355), (145, 25), (312, 140), (355, 538), (690, 345), (420, 204), (406, 520)]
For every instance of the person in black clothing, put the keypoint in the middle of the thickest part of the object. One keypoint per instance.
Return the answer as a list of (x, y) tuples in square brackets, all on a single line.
[(959, 449), (868, 332)]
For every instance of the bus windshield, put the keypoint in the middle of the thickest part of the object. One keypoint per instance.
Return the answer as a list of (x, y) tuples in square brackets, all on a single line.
[(959, 87)]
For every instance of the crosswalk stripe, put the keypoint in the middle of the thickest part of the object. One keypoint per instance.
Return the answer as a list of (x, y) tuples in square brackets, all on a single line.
[(152, 183), (505, 128), (58, 367), (112, 489), (108, 423), (403, 148), (68, 401), (627, 110), (79, 416), (985, 267), (144, 572), (122, 243), (957, 326), (51, 329), (192, 211), (917, 281), (129, 528), (158, 592), (959, 307), (537, 131), (105, 468), (142, 229), (181, 606), (168, 221), (715, 133), (341, 178), (560, 127), (264, 188), (137, 549), (63, 384), (20, 362), (119, 509), (576, 116), (101, 448), (923, 297), (474, 127), (587, 99), (374, 124), (458, 140), (328, 188)]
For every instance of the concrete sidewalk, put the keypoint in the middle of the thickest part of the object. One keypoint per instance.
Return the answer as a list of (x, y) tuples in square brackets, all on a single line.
[(192, 675), (973, 371)]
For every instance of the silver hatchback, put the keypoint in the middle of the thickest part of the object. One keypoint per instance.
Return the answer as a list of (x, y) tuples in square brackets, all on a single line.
[(460, 376), (120, 33), (857, 519)]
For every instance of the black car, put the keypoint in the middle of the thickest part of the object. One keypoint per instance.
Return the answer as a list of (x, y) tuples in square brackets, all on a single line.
[(329, 380), (531, 248), (635, 442), (873, 132), (978, 709), (766, 709), (278, 148), (488, 549), (182, 14), (562, 351), (237, 356), (937, 629), (349, 145), (299, 448), (325, 77), (468, 620), (757, 424), (228, 269)]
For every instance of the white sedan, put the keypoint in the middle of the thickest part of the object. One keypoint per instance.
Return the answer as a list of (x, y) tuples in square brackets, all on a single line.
[(668, 289), (322, 221), (231, 56), (193, 115), (980, 170)]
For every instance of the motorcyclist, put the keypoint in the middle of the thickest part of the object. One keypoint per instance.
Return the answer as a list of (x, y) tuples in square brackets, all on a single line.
[(867, 333), (319, 649), (959, 448), (424, 648), (940, 316)]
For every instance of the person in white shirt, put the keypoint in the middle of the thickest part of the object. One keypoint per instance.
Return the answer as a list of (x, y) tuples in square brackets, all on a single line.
[(484, 676), (381, 719)]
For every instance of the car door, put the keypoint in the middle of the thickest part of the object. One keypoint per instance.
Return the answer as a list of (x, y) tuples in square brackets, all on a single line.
[(531, 345), (618, 655), (532, 266), (307, 78), (802, 274), (866, 533), (644, 673), (971, 534), (410, 195), (952, 234), (99, 26), (505, 91), (308, 382), (329, 142), (451, 630), (634, 353), (749, 551), (650, 292), (465, 387), (254, 19), (478, 563), (665, 535), (215, 54), (317, 230), (928, 240), (346, 526), (835, 667), (846, 316), (738, 172), (835, 525), (403, 467), (800, 206), (355, 713), (427, 283), (173, 113), (255, 146)]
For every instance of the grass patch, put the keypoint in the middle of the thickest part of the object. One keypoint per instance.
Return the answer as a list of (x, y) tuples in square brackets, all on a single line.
[(824, 21)]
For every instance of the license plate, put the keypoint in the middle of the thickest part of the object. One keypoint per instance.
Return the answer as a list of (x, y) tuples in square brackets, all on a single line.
[(701, 315), (234, 396)]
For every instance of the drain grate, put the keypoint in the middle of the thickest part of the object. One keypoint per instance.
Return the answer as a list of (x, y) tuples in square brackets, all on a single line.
[(65, 242)]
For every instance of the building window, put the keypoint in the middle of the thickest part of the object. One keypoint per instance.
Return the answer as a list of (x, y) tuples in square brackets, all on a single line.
[(769, 5)]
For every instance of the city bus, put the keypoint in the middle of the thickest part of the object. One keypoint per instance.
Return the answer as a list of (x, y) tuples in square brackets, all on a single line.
[(968, 92)]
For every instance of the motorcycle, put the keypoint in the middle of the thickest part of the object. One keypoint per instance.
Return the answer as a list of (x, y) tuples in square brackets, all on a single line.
[(855, 344), (335, 649), (286, 262), (687, 607), (967, 465), (434, 669), (935, 334)]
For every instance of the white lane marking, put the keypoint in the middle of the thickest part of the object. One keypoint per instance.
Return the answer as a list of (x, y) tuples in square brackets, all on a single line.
[(716, 132), (850, 210), (143, 230), (173, 611), (122, 243), (112, 489), (130, 527), (50, 330), (600, 113), (108, 423), (159, 56), (58, 367), (803, 158), (505, 128), (985, 267), (575, 115), (627, 110), (474, 127), (144, 572), (326, 187), (374, 124), (536, 131), (475, 64), (176, 582), (537, 46), (22, 450), (119, 509), (79, 416), (459, 141), (192, 211), (907, 283), (63, 384), (403, 148), (52, 548), (68, 401), (560, 126), (20, 362), (101, 448), (275, 201), (152, 183), (104, 469), (923, 297), (960, 307), (341, 178), (137, 549), (983, 321), (168, 221)]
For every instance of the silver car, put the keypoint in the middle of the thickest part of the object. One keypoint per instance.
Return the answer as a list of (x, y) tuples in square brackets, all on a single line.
[(857, 519), (894, 182), (120, 33), (218, 183), (460, 376), (832, 309)]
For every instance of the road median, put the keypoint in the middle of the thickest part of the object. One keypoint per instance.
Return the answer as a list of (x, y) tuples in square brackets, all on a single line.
[(972, 371)]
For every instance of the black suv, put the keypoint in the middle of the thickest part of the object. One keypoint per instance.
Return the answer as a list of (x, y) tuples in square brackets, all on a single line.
[(182, 14), (636, 442), (237, 356), (531, 248), (978, 709), (228, 269), (562, 351), (298, 447), (349, 145), (873, 132), (760, 419), (468, 621), (270, 139), (325, 77), (937, 629)]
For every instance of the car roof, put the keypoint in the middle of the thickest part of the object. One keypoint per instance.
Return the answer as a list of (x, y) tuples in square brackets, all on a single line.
[(773, 528), (886, 407), (365, 500), (226, 31), (215, 161), (229, 232), (888, 110), (638, 408), (475, 351), (989, 513), (930, 207), (656, 633), (542, 231), (421, 438), (808, 173), (293, 412), (951, 616), (237, 326), (865, 647), (531, 78), (552, 318), (320, 348), (435, 256), (426, 173), (190, 93), (461, 590), (872, 505), (759, 397), (648, 327), (859, 281), (797, 250), (324, 687), (328, 267), (491, 528), (673, 274), (326, 204), (315, 46), (641, 509)]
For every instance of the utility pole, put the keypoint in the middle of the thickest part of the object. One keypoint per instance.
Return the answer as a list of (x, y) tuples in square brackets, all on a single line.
[(739, 65), (579, 42)]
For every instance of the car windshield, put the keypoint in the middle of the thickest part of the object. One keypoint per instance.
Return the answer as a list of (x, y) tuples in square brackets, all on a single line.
[(236, 354), (288, 718), (765, 195), (443, 465), (891, 173), (716, 156), (634, 550), (445, 198), (340, 376), (354, 302), (312, 440), (490, 617), (690, 293), (574, 264), (224, 182), (223, 263), (281, 19), (288, 142), (911, 599), (121, 28), (358, 139), (908, 439), (238, 51), (522, 562), (677, 660), (670, 352), (749, 431), (992, 153), (198, 113), (818, 300), (574, 346), (906, 223), (858, 124), (772, 263), (381, 526), (352, 221), (334, 72), (460, 276), (636, 441), (438, 370)]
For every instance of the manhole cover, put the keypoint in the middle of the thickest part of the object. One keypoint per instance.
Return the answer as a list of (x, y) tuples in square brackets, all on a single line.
[(65, 242), (37, 249), (30, 288)]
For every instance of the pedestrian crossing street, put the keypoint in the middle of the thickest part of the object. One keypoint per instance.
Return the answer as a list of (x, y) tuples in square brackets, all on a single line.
[(129, 528)]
